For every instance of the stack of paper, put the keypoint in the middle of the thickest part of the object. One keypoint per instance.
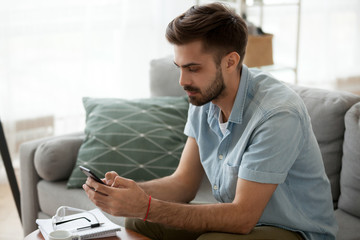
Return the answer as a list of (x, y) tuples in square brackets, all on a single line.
[(107, 228)]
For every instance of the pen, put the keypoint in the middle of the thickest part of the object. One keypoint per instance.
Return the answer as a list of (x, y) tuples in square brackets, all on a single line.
[(95, 225)]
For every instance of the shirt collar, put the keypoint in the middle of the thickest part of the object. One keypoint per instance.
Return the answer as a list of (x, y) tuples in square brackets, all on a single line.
[(237, 111)]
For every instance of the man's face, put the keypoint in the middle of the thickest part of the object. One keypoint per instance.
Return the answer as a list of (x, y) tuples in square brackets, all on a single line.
[(200, 77)]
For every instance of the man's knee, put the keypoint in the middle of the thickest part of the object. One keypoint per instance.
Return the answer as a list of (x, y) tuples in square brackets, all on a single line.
[(143, 227), (148, 229), (130, 224)]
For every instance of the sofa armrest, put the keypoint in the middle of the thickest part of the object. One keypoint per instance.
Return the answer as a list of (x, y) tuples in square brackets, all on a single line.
[(55, 159), (30, 177)]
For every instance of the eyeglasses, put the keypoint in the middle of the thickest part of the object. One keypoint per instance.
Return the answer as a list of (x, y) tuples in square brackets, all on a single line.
[(59, 217)]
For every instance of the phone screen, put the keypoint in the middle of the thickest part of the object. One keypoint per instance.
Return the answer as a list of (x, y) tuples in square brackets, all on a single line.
[(89, 173)]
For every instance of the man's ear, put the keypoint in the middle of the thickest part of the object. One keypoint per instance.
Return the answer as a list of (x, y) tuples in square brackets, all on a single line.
[(231, 61)]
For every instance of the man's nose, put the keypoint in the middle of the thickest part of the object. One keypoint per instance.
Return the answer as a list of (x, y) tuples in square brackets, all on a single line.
[(184, 79)]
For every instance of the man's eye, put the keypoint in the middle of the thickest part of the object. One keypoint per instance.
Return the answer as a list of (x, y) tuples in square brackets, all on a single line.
[(193, 69)]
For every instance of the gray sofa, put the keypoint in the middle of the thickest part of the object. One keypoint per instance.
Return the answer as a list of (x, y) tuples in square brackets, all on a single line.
[(46, 164)]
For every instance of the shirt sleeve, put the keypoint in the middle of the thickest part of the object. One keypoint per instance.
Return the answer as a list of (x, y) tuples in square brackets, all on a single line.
[(273, 148), (189, 128)]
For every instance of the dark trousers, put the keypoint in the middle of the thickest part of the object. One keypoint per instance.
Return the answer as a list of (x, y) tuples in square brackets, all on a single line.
[(160, 232)]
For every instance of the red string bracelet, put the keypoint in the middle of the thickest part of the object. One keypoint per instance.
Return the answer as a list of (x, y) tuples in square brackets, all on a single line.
[(147, 212)]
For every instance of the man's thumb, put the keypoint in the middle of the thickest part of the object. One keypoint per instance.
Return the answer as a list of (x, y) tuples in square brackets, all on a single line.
[(120, 182)]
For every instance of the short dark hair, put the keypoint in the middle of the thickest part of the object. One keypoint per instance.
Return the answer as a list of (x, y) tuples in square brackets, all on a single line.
[(220, 29)]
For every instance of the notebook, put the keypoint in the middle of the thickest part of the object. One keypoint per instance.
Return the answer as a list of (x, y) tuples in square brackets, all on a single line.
[(107, 229)]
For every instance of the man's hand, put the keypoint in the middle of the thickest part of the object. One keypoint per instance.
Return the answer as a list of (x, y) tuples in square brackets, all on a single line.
[(122, 198), (110, 178)]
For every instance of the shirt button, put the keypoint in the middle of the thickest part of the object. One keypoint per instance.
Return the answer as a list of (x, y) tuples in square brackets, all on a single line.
[(215, 187), (221, 157)]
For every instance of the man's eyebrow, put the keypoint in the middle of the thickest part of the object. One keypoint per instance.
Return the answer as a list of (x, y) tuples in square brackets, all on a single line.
[(187, 65)]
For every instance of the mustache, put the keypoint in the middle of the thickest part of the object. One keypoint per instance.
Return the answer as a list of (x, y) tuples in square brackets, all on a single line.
[(191, 89)]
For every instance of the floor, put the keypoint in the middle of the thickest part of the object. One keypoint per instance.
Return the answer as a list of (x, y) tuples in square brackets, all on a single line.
[(10, 225)]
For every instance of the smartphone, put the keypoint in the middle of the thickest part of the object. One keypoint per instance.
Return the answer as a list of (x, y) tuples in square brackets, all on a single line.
[(89, 173)]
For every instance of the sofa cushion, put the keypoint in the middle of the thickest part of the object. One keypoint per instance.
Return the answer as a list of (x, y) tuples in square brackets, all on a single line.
[(139, 139), (55, 159), (164, 78), (349, 226), (327, 110), (350, 173)]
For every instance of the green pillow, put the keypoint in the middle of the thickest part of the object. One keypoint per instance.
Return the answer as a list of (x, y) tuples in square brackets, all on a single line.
[(139, 139)]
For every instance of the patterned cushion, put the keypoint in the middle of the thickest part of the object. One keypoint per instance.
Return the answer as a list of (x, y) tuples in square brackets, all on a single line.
[(139, 139)]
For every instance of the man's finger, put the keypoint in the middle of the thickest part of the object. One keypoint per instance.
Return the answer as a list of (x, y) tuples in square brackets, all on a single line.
[(109, 177), (94, 194), (120, 182), (95, 186)]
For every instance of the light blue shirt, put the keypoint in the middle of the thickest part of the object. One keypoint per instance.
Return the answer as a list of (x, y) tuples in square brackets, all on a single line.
[(269, 139)]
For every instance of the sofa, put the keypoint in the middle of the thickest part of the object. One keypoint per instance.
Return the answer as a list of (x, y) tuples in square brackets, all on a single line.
[(46, 164)]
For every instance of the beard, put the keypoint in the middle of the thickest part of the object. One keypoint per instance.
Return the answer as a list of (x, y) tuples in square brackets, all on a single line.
[(210, 93)]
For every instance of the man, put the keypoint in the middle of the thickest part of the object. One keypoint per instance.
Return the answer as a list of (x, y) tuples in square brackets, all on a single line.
[(249, 133)]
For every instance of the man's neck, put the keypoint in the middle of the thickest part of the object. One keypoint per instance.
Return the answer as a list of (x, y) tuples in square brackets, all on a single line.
[(226, 101)]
